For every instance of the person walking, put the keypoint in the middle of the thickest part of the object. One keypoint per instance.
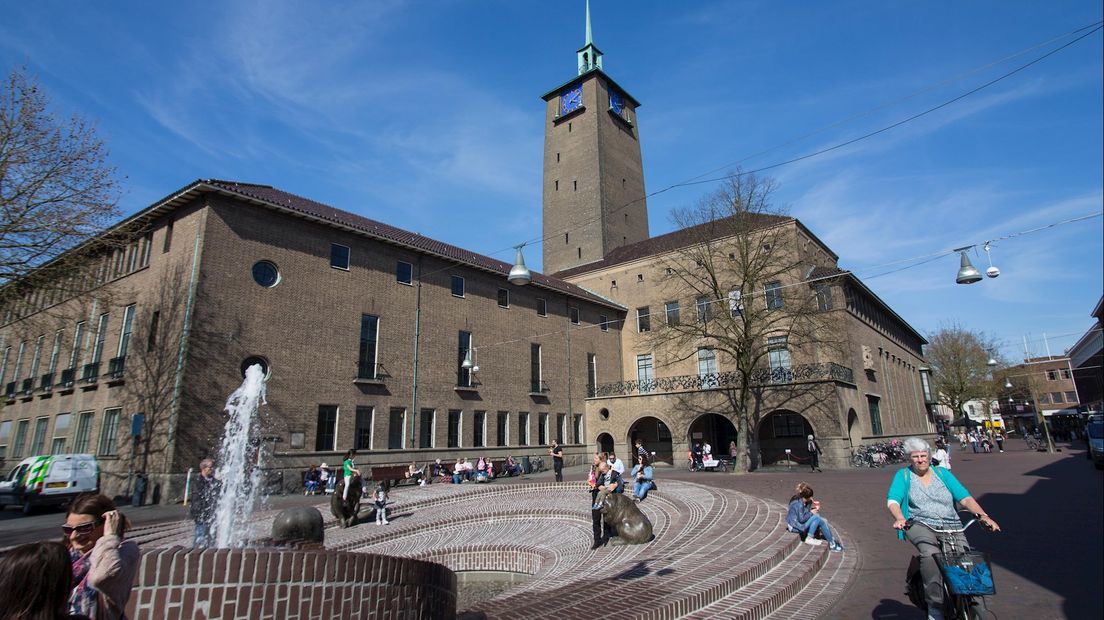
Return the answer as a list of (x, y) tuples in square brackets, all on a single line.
[(1000, 437), (104, 564), (557, 459), (814, 453), (206, 490), (973, 441)]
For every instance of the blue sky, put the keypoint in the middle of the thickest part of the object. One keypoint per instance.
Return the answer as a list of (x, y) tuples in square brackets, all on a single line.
[(426, 115)]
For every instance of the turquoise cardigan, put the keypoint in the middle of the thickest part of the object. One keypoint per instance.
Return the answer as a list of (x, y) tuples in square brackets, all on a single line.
[(899, 489)]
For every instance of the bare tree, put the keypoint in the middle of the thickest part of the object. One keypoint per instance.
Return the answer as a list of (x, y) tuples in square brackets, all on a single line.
[(758, 294), (57, 190), (960, 369)]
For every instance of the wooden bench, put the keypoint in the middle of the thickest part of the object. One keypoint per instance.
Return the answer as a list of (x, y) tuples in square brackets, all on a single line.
[(390, 474)]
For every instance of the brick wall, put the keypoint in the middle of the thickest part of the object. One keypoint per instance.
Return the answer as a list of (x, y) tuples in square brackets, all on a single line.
[(288, 584)]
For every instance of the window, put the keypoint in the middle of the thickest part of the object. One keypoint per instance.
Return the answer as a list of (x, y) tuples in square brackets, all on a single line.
[(339, 256), (578, 436), (707, 363), (20, 437), (1052, 375), (824, 297), (4, 364), (128, 327), (788, 425), (463, 375), (643, 320), (1066, 374), (778, 355), (503, 298), (1071, 397), (369, 339), (266, 273), (573, 313), (644, 372), (454, 416), (19, 361), (542, 307), (168, 237), (403, 272), (5, 434), (78, 345), (875, 415), (1056, 397), (705, 309), (479, 428), (542, 429), (55, 353), (101, 335), (774, 295), (396, 428), (36, 357), (735, 306), (672, 310), (502, 424), (425, 432), (108, 432), (561, 427), (61, 433), (38, 442), (535, 369), (592, 375), (84, 432), (457, 286), (523, 428), (362, 432), (1044, 398), (603, 322), (326, 436)]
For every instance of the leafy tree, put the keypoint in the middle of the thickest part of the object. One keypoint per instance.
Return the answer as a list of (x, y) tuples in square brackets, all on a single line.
[(960, 369)]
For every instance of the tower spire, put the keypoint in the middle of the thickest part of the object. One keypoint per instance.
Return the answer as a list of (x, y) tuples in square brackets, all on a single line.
[(590, 57), (589, 38)]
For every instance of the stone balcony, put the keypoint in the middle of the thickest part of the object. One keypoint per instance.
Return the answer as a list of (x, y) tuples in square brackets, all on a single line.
[(804, 373)]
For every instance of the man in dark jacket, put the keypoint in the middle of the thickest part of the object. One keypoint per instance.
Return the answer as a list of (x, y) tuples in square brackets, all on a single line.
[(204, 501)]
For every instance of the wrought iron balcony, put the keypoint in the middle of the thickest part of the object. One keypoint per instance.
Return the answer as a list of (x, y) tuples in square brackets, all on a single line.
[(371, 373), (805, 373), (27, 387), (90, 372), (115, 367), (9, 389), (538, 387), (68, 376), (46, 383)]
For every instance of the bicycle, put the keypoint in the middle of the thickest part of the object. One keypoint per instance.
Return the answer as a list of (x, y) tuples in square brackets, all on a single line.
[(967, 577)]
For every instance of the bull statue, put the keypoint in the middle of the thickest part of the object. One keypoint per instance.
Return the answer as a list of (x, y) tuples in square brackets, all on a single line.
[(346, 511), (623, 515)]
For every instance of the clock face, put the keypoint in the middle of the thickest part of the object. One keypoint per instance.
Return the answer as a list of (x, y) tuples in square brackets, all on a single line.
[(571, 99), (617, 103)]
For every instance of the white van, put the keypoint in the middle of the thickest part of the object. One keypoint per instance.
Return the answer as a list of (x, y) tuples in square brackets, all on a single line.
[(51, 480), (1095, 431)]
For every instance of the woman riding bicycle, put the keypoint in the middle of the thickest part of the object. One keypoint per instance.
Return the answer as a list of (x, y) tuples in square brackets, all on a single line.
[(928, 495)]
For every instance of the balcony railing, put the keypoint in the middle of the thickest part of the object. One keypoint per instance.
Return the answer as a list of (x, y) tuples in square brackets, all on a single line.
[(46, 383), (90, 372), (538, 387), (804, 373), (68, 376), (371, 373), (9, 389), (27, 386), (115, 367)]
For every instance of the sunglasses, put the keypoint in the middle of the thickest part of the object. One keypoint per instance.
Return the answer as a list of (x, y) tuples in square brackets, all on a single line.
[(83, 528)]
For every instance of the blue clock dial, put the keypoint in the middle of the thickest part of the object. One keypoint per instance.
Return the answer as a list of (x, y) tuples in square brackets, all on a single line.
[(571, 99), (617, 103)]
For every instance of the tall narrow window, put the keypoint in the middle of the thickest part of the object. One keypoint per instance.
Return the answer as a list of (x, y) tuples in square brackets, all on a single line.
[(167, 245), (20, 438), (592, 375), (542, 429), (38, 442), (603, 322), (503, 298), (542, 307), (109, 432), (154, 325), (101, 336), (396, 428), (463, 375), (707, 363), (523, 428), (61, 433), (428, 422), (672, 310), (561, 427), (454, 421), (362, 433), (5, 435), (773, 292), (19, 361), (573, 313), (502, 425), (55, 352), (339, 256), (326, 436), (824, 297), (875, 415), (84, 432), (644, 377), (36, 357), (479, 428), (735, 305), (369, 336), (4, 364), (128, 326), (536, 382), (705, 309), (643, 320), (78, 345), (578, 436), (778, 356)]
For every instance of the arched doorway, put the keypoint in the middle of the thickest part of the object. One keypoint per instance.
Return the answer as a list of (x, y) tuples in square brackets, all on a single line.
[(605, 442), (854, 429), (714, 429), (782, 430), (656, 437)]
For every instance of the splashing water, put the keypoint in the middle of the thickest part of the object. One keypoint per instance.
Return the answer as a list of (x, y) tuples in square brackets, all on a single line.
[(237, 463)]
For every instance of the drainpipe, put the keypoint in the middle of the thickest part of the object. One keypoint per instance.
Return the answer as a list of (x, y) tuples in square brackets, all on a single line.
[(417, 340)]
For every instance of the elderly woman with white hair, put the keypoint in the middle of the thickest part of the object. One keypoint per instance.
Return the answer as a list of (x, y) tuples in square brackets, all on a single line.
[(928, 495)]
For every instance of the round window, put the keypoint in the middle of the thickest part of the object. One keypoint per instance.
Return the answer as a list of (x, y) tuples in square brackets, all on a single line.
[(266, 274), (255, 359), (604, 413)]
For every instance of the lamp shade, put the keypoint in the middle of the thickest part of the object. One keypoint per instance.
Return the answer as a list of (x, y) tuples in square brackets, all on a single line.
[(467, 364), (967, 273), (519, 273)]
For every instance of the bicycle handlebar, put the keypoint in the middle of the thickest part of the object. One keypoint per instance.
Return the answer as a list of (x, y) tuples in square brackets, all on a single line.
[(911, 522)]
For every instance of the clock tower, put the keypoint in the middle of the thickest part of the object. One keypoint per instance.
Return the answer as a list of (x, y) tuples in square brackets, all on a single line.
[(593, 176)]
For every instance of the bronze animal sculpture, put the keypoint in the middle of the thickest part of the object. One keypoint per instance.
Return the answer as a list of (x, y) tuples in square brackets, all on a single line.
[(623, 515), (346, 511), (298, 523)]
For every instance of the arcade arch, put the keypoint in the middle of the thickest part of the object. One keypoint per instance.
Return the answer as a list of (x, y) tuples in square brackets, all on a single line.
[(715, 429), (605, 442), (656, 436), (781, 430)]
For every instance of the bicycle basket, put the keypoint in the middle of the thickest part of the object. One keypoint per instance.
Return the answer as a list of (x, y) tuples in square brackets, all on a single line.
[(967, 573)]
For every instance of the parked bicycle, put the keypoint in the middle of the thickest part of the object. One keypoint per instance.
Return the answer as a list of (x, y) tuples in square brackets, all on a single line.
[(967, 576)]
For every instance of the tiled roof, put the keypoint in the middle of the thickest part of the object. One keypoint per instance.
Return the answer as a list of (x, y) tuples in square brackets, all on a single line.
[(673, 241), (268, 195)]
